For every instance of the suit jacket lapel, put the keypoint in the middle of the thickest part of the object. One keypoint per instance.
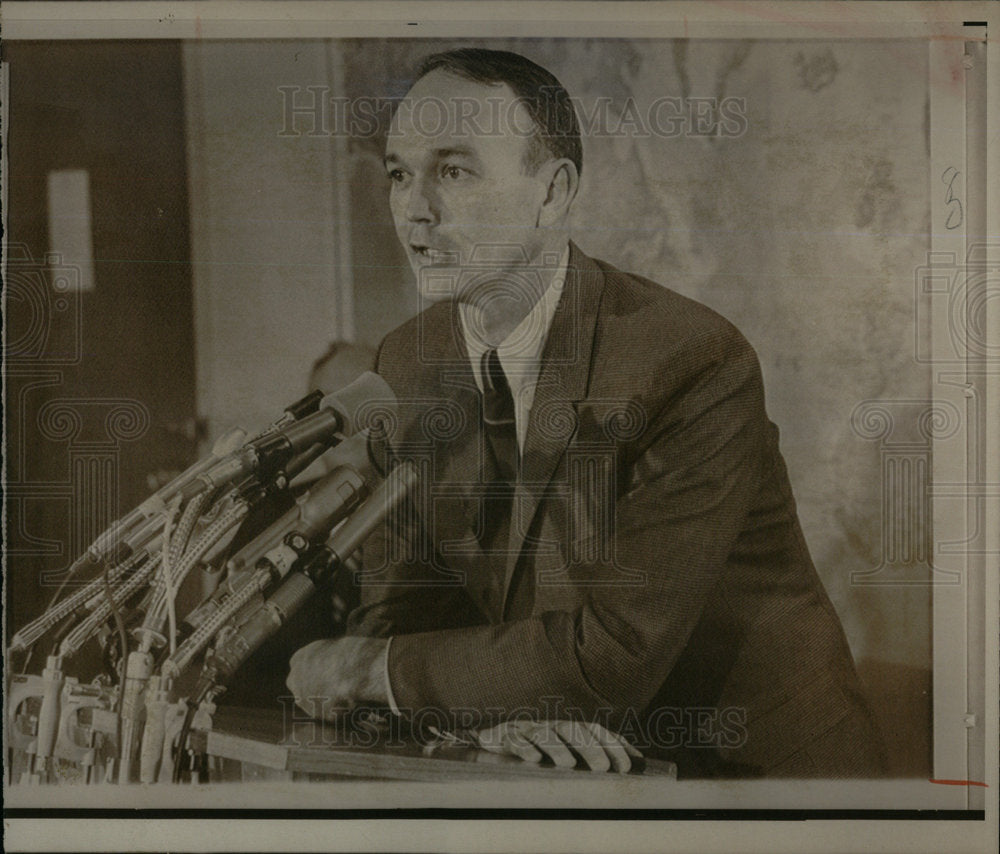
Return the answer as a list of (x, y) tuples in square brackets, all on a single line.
[(562, 384)]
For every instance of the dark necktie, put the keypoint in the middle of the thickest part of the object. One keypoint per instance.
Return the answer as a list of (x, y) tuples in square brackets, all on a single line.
[(501, 446), (498, 417)]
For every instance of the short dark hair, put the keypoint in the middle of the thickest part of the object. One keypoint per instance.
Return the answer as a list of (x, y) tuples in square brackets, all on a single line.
[(546, 100)]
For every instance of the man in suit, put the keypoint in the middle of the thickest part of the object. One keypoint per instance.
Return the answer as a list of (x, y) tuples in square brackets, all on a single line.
[(606, 550)]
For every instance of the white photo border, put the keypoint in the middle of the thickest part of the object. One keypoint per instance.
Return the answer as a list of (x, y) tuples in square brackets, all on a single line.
[(970, 610)]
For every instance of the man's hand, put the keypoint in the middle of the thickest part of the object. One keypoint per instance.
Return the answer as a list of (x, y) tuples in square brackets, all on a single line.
[(327, 676), (599, 748)]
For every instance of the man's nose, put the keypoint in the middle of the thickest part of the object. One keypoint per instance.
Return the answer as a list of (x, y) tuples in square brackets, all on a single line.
[(421, 205)]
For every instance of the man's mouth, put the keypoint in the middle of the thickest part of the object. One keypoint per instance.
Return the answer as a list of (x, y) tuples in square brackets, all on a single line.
[(432, 255)]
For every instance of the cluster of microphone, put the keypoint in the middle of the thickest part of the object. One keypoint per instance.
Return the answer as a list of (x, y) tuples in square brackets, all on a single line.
[(141, 711)]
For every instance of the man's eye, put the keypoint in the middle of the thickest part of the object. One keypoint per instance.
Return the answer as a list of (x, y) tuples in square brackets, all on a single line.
[(396, 175), (453, 172)]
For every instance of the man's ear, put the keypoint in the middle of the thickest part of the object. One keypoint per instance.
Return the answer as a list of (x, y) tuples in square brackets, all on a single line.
[(562, 181)]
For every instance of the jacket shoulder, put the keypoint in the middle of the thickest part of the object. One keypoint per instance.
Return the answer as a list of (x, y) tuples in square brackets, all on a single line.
[(425, 340), (649, 319)]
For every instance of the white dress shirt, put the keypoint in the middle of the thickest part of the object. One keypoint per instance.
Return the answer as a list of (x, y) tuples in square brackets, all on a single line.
[(521, 351)]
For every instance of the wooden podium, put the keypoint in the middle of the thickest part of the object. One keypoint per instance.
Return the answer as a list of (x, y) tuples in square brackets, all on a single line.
[(254, 744)]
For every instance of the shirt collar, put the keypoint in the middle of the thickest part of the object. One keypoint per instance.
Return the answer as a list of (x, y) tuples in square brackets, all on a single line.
[(521, 351)]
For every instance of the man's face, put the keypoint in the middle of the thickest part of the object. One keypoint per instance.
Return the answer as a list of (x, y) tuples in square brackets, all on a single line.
[(462, 201)]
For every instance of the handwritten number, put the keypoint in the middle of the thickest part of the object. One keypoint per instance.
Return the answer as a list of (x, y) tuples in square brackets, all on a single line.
[(955, 213)]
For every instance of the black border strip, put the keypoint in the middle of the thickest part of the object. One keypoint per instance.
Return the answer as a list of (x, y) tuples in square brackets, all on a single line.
[(497, 813)]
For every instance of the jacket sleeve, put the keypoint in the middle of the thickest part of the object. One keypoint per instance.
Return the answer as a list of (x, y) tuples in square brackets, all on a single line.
[(684, 502), (402, 590)]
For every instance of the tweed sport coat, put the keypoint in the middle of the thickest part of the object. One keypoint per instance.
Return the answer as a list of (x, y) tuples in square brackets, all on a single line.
[(656, 579)]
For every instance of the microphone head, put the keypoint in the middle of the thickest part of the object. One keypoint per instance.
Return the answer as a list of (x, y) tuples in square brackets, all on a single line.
[(366, 404), (229, 441)]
